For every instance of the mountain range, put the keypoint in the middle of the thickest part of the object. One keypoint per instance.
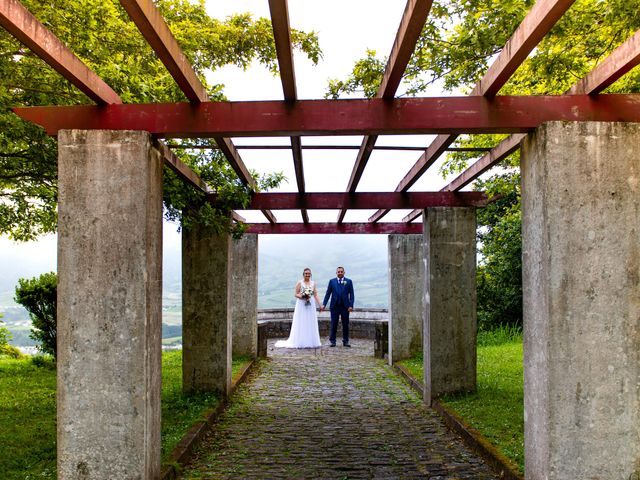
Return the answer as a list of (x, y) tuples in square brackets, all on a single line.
[(281, 261)]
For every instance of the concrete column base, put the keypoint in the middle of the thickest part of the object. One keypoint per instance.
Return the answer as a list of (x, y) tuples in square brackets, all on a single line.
[(581, 283), (450, 324), (109, 305), (406, 296), (244, 292), (206, 316)]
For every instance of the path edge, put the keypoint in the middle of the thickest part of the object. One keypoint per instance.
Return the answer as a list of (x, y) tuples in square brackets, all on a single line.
[(183, 450), (503, 466)]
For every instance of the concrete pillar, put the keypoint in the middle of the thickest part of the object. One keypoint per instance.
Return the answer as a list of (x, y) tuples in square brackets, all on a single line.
[(406, 296), (109, 305), (581, 283), (450, 325), (244, 288), (206, 316)]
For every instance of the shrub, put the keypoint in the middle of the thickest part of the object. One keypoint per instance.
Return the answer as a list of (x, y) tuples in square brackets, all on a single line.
[(10, 351), (7, 350), (39, 296), (5, 335)]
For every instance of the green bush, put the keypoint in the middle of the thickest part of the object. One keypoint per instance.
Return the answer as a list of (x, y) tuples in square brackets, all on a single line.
[(10, 351), (5, 334), (39, 296)]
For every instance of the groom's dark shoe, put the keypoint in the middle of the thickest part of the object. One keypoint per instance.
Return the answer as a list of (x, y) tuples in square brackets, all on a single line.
[(332, 345), (346, 345)]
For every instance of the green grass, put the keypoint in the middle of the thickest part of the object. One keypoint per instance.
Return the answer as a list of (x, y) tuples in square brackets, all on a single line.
[(496, 409), (28, 412), (27, 420)]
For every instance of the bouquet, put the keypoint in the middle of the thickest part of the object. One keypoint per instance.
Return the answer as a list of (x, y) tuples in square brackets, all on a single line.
[(306, 294)]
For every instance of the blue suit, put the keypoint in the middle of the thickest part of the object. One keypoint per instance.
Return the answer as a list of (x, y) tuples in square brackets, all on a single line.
[(342, 298)]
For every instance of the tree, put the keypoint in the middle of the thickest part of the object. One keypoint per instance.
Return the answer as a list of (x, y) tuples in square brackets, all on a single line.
[(102, 35), (39, 296), (499, 272), (453, 52)]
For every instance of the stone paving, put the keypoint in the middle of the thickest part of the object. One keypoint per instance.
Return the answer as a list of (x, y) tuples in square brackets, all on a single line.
[(330, 413)]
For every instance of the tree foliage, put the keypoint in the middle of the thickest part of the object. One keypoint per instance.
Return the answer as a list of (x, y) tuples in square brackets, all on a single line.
[(499, 272), (5, 335), (39, 296), (102, 35)]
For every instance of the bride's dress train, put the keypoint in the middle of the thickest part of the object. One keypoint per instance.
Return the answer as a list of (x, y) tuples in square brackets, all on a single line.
[(304, 328)]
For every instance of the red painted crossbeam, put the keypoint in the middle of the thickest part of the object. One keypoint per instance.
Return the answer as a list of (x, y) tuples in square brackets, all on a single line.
[(505, 114), (334, 228), (363, 200)]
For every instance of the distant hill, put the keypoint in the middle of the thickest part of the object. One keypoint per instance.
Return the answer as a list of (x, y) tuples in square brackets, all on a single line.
[(281, 261)]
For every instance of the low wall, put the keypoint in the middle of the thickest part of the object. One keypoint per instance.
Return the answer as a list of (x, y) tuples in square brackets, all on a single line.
[(369, 324), (362, 322), (357, 314)]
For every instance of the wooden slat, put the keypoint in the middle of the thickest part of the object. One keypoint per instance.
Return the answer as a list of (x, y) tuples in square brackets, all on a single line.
[(20, 23), (541, 18), (296, 151), (362, 200), (503, 114), (155, 30), (334, 228), (172, 161), (282, 36), (411, 25), (413, 19), (334, 147), (233, 157), (619, 62)]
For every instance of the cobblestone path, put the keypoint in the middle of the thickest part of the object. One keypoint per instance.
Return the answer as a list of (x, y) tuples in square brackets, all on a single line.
[(331, 413)]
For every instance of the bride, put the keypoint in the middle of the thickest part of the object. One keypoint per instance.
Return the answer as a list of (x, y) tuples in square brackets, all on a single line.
[(304, 328)]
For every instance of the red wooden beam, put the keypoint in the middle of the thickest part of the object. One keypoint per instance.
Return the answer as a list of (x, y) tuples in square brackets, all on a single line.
[(619, 62), (362, 200), (411, 24), (499, 153), (282, 36), (331, 147), (334, 228), (429, 115), (233, 157), (172, 161), (149, 21), (544, 14), (20, 23), (541, 18), (296, 150)]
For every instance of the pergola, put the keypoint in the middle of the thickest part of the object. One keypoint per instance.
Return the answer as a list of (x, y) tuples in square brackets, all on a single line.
[(481, 112), (484, 111)]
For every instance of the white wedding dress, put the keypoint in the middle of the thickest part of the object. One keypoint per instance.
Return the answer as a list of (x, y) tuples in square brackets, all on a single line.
[(304, 328)]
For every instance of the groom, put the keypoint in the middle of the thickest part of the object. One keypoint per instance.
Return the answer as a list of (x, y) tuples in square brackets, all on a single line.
[(340, 290)]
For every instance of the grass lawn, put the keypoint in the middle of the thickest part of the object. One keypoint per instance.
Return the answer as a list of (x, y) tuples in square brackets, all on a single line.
[(496, 409), (28, 414)]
